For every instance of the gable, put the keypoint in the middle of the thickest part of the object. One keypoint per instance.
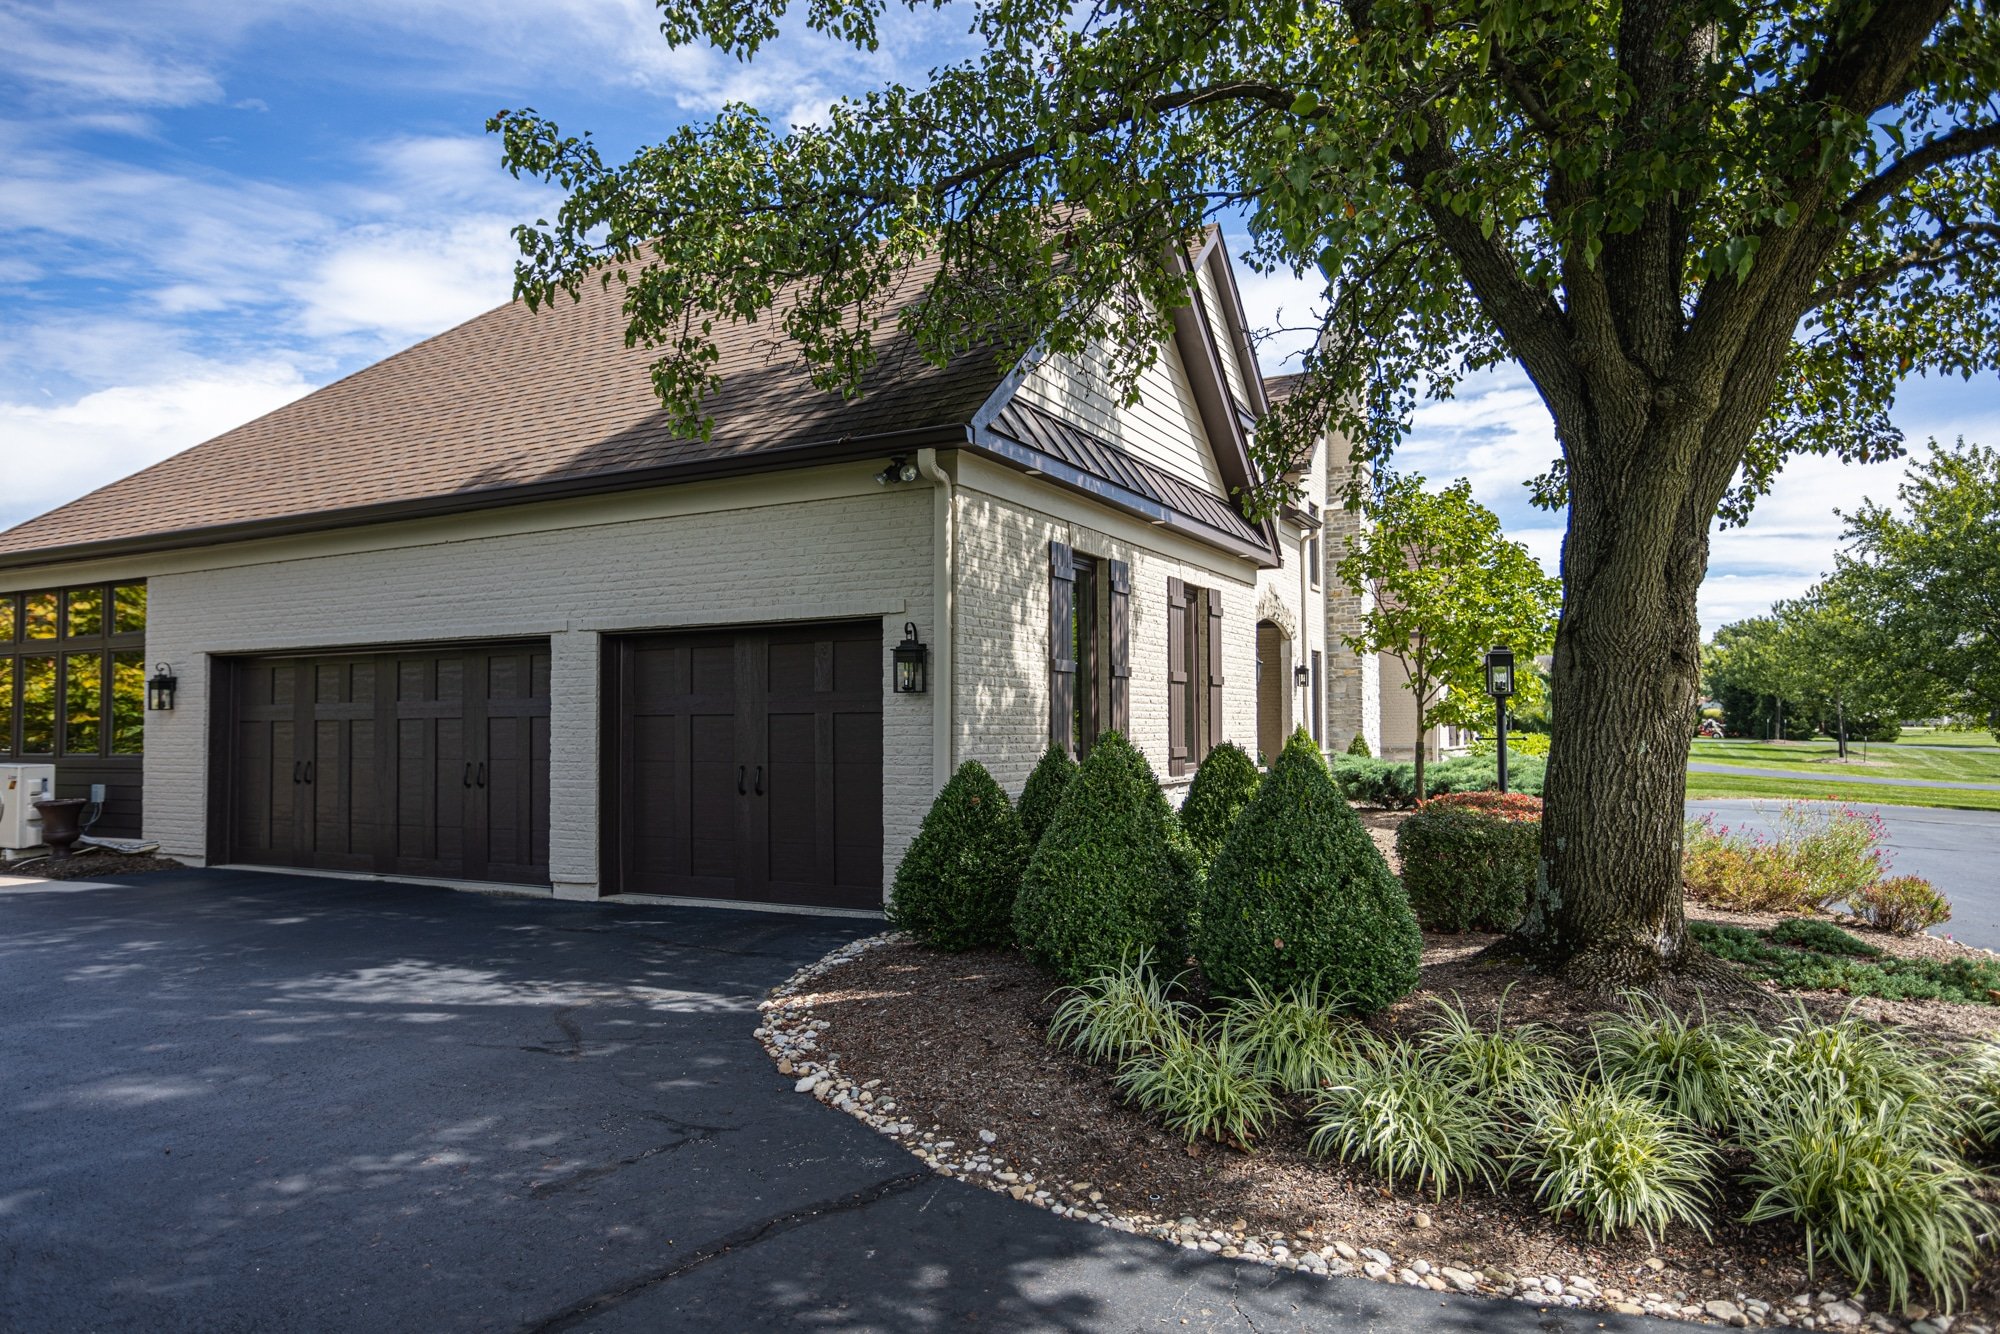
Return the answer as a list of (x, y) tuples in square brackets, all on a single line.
[(1164, 427)]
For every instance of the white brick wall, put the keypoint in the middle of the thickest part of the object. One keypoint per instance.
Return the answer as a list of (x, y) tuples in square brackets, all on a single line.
[(1002, 620), (833, 556)]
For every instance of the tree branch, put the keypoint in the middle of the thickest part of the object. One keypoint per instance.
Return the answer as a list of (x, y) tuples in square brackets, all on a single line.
[(1939, 252), (1968, 141)]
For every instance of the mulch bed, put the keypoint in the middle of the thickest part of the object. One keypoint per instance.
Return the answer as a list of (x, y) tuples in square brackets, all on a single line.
[(957, 1041), (91, 865)]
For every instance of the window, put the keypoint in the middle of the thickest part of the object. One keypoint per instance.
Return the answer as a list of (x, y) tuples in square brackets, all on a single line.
[(73, 671), (1089, 648), (1194, 674)]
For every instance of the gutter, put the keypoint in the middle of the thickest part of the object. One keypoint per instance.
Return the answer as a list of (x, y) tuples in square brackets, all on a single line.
[(943, 613)]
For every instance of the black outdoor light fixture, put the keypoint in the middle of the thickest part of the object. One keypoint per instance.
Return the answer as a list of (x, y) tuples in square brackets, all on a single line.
[(1500, 684), (160, 689), (910, 657), (1302, 676), (900, 469)]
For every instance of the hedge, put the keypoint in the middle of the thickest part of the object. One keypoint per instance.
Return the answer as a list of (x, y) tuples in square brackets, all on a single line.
[(1105, 880), (1222, 787), (1394, 785), (1468, 866), (956, 886), (1043, 792), (1299, 893)]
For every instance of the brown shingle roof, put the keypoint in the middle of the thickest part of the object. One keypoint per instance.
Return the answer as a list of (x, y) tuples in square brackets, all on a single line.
[(1278, 388), (507, 406)]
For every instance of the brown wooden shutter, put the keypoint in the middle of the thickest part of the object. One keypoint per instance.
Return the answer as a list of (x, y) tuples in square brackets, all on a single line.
[(1213, 598), (1120, 634), (1062, 646), (1177, 677)]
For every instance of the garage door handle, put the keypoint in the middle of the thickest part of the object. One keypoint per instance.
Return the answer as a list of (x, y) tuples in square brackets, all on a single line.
[(760, 780), (297, 765), (741, 770), (468, 773), (309, 772), (479, 779)]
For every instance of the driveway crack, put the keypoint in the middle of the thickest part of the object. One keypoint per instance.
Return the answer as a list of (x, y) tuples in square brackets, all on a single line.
[(741, 1239)]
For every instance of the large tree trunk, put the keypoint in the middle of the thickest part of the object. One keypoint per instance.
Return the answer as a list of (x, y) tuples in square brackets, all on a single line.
[(1606, 908)]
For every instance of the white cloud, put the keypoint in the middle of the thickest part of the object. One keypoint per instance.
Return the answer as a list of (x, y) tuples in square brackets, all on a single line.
[(393, 282), (83, 56), (54, 454)]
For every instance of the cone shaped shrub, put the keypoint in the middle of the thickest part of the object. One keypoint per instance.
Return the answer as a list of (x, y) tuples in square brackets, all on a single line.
[(1044, 792), (1300, 894), (955, 889), (1104, 882), (1222, 787)]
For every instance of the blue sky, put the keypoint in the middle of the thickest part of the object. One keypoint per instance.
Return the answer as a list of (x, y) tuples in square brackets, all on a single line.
[(209, 208)]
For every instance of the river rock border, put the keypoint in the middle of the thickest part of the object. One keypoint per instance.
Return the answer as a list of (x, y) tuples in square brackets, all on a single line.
[(794, 1037)]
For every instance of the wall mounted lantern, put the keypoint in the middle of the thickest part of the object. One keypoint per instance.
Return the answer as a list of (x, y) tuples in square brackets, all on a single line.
[(910, 657), (1302, 676), (160, 689)]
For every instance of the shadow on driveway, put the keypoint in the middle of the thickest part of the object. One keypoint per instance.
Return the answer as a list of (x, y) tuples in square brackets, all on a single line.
[(245, 1101)]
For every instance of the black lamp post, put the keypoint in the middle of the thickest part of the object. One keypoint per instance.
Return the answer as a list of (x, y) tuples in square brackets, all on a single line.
[(1500, 685), (909, 657)]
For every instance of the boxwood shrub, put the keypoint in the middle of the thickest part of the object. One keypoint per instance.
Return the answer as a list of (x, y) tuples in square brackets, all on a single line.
[(1044, 791), (1300, 895), (1468, 866), (955, 888), (1393, 786), (1222, 787), (1105, 880)]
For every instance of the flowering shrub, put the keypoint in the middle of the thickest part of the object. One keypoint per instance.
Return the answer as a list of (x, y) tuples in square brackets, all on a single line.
[(1824, 853), (1904, 904), (1515, 806)]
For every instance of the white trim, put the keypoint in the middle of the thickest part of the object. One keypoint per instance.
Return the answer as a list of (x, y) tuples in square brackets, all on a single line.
[(496, 887), (801, 909), (944, 582)]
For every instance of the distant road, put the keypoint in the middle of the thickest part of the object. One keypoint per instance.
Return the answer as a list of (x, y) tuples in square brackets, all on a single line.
[(1958, 851), (1814, 775)]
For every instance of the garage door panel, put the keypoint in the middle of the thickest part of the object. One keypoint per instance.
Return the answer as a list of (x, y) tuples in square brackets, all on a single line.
[(393, 749), (761, 779)]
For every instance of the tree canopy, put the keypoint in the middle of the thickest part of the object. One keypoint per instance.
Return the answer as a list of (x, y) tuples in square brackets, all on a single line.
[(1444, 585)]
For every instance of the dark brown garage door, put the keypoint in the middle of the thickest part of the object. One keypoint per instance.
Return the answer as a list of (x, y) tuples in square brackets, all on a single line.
[(425, 762), (747, 764)]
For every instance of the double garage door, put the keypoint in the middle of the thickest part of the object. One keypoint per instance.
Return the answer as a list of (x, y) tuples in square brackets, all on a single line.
[(426, 762), (738, 764)]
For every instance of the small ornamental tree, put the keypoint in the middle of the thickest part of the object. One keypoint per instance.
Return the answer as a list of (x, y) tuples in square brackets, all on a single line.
[(1299, 893), (955, 888), (1044, 792), (1222, 787), (1102, 883)]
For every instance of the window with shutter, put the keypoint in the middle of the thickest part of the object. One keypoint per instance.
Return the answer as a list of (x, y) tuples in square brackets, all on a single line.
[(1179, 662), (1062, 646), (1214, 618), (1118, 629)]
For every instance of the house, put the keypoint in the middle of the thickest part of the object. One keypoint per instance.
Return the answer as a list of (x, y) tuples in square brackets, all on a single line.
[(475, 614)]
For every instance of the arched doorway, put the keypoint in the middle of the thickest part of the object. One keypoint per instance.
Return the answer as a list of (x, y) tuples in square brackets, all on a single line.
[(1274, 690)]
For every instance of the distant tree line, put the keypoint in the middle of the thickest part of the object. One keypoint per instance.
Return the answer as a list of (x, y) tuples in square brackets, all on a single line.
[(1906, 626)]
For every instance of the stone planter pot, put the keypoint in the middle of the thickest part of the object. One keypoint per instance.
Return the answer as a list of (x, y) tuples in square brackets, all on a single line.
[(61, 824)]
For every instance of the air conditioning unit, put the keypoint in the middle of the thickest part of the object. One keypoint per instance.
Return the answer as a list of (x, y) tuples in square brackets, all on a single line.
[(21, 786)]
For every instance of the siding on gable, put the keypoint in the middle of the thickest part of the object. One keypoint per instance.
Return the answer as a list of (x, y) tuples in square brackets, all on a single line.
[(1163, 427), (1212, 306)]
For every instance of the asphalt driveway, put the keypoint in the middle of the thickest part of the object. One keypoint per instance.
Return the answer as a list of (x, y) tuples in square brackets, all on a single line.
[(238, 1101)]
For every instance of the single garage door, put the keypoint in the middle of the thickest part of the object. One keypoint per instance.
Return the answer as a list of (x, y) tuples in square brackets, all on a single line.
[(423, 762), (747, 764)]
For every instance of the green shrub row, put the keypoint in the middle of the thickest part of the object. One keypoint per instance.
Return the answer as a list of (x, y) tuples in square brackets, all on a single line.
[(1393, 786), (1838, 1128)]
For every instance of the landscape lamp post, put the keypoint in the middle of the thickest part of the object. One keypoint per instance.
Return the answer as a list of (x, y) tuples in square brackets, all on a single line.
[(1500, 684)]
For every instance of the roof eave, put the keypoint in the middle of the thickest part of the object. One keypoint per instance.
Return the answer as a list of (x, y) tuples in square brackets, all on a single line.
[(840, 449)]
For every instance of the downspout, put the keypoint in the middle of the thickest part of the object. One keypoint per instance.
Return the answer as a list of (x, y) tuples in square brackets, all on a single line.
[(1305, 632), (944, 606)]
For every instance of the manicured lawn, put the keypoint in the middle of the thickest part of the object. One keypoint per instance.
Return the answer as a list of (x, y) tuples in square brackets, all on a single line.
[(1959, 763), (1809, 787), (1932, 736)]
